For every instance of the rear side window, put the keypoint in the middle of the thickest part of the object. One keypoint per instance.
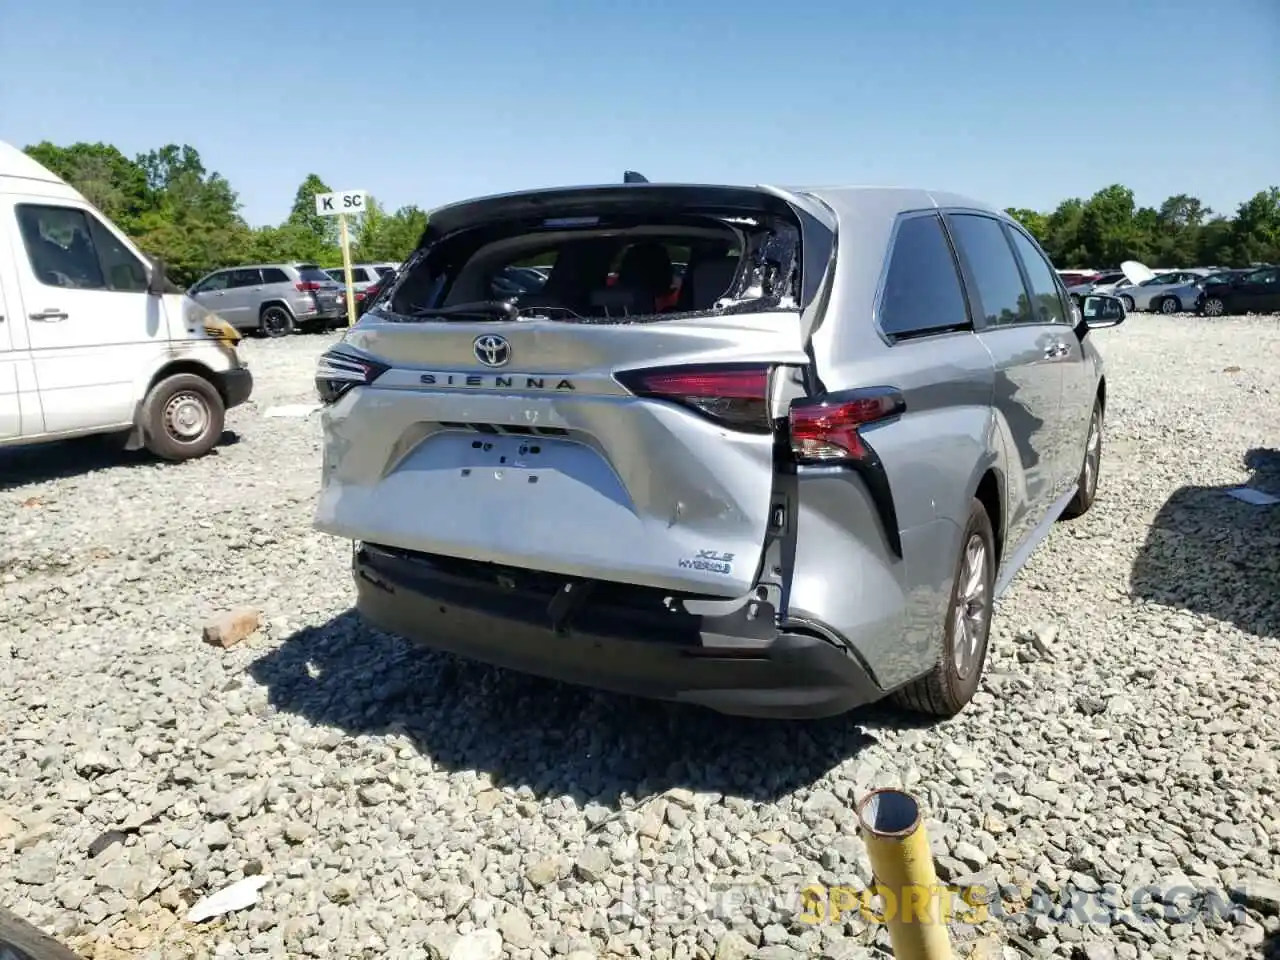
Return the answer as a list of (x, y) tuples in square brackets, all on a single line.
[(1048, 304), (384, 271), (244, 278), (922, 292), (313, 274), (358, 275), (990, 259), (274, 275), (68, 247)]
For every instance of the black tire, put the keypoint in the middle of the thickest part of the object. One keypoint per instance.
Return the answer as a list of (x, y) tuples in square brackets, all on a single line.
[(1087, 482), (1214, 307), (182, 417), (1127, 301), (275, 321), (954, 679), (1170, 305)]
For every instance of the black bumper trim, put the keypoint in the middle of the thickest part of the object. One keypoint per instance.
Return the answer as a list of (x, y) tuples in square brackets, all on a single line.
[(612, 643), (235, 385)]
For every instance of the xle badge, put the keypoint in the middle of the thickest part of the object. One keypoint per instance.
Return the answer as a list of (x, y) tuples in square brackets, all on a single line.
[(710, 561)]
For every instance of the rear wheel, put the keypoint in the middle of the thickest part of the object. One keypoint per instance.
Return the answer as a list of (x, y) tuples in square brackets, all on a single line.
[(182, 417), (954, 679), (1128, 303), (1170, 305), (1087, 483), (1214, 307), (276, 322)]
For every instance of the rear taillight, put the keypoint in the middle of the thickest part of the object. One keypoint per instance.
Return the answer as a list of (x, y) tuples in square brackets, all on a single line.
[(735, 396), (826, 431), (339, 371), (307, 286)]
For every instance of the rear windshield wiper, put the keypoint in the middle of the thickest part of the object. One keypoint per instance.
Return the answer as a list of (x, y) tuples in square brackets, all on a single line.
[(496, 309)]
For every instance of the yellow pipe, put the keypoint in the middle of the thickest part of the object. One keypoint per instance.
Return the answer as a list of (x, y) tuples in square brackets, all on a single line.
[(915, 906)]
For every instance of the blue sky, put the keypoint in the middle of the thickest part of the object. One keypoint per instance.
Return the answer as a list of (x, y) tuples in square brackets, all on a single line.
[(1017, 102)]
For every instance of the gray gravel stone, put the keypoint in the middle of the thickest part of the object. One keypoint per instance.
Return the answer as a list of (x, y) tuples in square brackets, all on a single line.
[(1128, 732)]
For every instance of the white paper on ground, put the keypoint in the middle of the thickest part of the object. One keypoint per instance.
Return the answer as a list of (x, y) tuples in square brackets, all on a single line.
[(292, 410), (1256, 497), (237, 896)]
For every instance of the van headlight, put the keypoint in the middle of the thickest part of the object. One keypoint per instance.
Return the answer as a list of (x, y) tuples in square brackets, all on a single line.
[(218, 329)]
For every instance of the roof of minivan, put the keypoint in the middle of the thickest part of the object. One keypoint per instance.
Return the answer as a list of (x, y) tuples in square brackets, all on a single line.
[(15, 163)]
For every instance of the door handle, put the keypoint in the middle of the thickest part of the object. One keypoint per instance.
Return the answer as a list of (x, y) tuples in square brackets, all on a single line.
[(47, 316)]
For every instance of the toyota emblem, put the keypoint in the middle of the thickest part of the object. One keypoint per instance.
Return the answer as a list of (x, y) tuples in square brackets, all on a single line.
[(492, 350)]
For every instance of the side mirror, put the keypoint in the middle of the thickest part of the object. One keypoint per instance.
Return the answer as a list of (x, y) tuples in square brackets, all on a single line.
[(1098, 310), (157, 283)]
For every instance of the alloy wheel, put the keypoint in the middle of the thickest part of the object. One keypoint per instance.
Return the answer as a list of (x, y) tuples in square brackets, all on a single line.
[(969, 615)]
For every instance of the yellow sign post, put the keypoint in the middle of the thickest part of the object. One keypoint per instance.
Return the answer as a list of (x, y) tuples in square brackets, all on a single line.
[(339, 204)]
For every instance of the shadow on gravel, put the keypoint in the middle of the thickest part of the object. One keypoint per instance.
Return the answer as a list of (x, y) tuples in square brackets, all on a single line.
[(1271, 947), (43, 462), (554, 738), (1213, 554)]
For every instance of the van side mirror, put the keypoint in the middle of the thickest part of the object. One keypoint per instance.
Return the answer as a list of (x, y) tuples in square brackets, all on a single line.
[(1099, 310), (157, 282)]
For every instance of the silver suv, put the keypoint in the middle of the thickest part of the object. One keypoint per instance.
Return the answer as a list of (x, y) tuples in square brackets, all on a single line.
[(273, 298), (790, 484)]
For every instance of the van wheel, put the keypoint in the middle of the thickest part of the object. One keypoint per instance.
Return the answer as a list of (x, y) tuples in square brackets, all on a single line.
[(182, 417), (955, 676), (276, 322)]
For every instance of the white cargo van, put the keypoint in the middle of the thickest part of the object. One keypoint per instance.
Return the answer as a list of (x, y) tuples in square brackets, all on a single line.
[(91, 338)]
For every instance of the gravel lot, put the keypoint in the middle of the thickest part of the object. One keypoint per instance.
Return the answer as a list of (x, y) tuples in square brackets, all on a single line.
[(1128, 734)]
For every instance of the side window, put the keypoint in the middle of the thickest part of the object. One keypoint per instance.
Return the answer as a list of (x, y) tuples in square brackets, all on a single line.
[(60, 247), (1048, 304), (383, 271), (990, 258), (274, 275), (358, 275), (922, 292), (123, 271), (217, 281), (244, 278)]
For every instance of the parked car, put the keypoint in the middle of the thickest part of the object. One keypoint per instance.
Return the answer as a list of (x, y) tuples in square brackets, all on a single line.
[(363, 275), (1157, 291), (1075, 278), (799, 489), (1184, 298), (273, 298), (1103, 283), (1255, 291), (370, 294), (514, 281), (93, 338)]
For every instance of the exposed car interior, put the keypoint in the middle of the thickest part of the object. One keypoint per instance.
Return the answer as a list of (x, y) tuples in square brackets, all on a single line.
[(604, 271)]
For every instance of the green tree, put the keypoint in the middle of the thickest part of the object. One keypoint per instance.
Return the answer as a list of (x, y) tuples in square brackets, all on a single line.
[(109, 180), (389, 237), (1037, 224), (1256, 231), (303, 212), (177, 209)]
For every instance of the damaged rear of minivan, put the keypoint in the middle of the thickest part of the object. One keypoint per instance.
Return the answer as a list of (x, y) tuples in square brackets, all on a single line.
[(561, 443)]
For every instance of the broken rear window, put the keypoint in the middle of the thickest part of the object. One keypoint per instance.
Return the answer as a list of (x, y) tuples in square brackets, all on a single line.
[(609, 268)]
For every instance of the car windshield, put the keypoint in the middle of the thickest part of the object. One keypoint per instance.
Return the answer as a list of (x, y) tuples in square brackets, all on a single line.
[(608, 268)]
